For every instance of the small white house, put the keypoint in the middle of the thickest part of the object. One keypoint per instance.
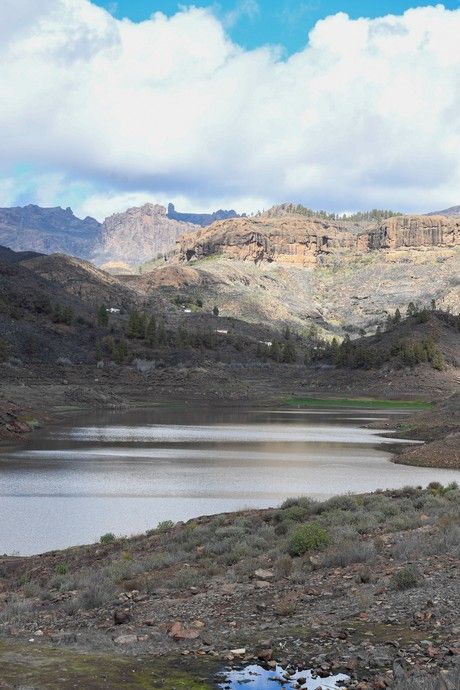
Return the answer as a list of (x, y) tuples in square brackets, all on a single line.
[(222, 332), (113, 310)]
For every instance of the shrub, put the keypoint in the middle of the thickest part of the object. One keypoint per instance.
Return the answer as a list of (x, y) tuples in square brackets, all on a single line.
[(347, 553), (308, 537), (61, 569), (406, 578), (107, 538), (162, 527)]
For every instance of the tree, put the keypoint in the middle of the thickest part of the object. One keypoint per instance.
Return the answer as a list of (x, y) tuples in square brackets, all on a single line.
[(335, 351), (411, 309), (67, 315), (287, 333), (397, 316), (215, 311), (289, 352), (102, 316), (275, 352), (151, 332), (121, 352)]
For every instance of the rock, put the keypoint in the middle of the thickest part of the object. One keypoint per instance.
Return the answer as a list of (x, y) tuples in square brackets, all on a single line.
[(121, 616), (261, 584), (125, 639), (263, 574), (379, 683), (238, 652), (180, 632), (432, 651), (265, 654)]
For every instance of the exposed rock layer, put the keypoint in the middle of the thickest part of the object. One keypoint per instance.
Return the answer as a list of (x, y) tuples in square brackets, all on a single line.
[(304, 241)]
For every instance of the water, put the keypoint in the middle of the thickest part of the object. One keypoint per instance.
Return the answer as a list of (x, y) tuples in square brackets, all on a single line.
[(257, 678), (125, 471)]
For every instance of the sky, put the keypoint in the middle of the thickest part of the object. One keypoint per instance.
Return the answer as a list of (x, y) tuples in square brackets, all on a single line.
[(239, 104)]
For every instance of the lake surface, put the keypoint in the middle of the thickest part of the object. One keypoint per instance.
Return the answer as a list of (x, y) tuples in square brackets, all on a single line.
[(125, 471)]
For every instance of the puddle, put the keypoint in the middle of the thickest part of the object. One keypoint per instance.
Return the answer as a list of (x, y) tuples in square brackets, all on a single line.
[(257, 678)]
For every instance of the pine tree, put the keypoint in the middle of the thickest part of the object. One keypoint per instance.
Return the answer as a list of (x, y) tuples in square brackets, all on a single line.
[(102, 316), (289, 352), (215, 311), (151, 332), (275, 352)]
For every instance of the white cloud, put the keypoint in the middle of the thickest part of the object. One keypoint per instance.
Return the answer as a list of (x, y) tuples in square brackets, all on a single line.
[(367, 115), (243, 9)]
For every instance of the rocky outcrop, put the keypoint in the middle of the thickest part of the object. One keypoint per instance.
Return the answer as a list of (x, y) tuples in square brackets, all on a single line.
[(301, 241), (416, 231), (287, 239), (139, 234), (48, 230), (202, 219)]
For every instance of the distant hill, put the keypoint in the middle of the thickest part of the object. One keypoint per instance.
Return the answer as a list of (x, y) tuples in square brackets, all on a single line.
[(202, 219), (48, 230), (139, 234), (452, 211)]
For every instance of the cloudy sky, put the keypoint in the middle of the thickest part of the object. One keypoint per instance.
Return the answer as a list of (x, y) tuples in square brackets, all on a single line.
[(241, 103)]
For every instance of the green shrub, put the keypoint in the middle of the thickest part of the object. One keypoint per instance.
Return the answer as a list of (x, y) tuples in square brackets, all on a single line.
[(107, 538), (308, 537), (406, 578), (61, 569)]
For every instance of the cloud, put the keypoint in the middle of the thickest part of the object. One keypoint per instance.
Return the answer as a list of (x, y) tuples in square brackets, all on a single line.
[(243, 9), (366, 115)]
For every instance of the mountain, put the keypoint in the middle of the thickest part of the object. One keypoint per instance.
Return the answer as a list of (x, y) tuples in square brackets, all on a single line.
[(47, 230), (139, 234), (202, 219), (452, 211), (304, 241), (278, 269)]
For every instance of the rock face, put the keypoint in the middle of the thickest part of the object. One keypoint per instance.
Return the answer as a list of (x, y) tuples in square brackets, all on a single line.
[(304, 241), (202, 219), (32, 228), (287, 239), (416, 231), (139, 234)]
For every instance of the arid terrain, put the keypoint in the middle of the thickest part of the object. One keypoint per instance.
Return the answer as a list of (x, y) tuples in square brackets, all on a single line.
[(278, 309), (364, 585)]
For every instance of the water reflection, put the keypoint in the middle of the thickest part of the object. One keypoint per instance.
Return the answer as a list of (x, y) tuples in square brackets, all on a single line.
[(257, 678), (125, 471)]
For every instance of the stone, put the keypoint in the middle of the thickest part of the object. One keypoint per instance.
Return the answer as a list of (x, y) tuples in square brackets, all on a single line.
[(262, 574), (125, 639), (265, 654), (121, 616), (179, 632)]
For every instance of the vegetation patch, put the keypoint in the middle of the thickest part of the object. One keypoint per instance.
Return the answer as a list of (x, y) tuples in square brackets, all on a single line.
[(371, 403)]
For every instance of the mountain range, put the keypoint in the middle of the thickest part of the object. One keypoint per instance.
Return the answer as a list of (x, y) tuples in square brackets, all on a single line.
[(122, 240), (142, 234)]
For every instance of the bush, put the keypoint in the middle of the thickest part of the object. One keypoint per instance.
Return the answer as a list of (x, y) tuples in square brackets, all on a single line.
[(406, 578), (308, 537), (347, 553), (61, 569), (107, 538)]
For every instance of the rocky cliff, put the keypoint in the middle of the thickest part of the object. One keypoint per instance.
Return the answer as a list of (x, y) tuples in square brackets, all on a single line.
[(47, 230), (416, 231), (301, 241), (139, 234), (286, 239)]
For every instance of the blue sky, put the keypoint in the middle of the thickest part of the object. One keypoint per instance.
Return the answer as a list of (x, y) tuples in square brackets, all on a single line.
[(253, 23)]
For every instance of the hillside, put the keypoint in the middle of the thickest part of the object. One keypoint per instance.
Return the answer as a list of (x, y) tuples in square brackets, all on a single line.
[(48, 230), (452, 211), (283, 268)]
